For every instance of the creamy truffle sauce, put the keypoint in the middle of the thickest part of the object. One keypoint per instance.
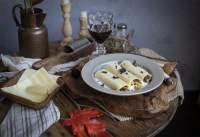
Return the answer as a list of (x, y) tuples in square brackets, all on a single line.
[(130, 88)]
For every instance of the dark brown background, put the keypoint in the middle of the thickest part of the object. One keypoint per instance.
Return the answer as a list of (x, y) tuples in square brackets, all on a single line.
[(170, 27)]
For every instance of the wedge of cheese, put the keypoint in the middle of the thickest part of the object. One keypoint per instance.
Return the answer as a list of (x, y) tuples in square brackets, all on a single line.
[(34, 85)]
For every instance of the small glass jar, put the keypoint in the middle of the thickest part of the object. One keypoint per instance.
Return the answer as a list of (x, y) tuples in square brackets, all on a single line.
[(121, 31), (121, 37)]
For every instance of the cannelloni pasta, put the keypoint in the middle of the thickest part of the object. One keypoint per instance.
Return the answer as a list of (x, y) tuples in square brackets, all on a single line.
[(126, 76), (136, 70), (111, 80)]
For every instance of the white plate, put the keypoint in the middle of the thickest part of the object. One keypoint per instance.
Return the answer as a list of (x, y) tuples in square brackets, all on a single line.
[(97, 63)]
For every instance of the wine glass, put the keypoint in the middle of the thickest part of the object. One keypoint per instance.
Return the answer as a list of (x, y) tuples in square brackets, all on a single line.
[(100, 27)]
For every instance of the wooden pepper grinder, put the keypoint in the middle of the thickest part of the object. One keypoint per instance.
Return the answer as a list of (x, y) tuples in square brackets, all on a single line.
[(67, 28), (84, 25)]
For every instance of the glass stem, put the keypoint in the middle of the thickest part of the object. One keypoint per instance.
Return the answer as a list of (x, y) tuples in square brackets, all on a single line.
[(100, 49)]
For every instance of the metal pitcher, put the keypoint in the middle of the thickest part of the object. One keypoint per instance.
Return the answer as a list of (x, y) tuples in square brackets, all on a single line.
[(32, 33)]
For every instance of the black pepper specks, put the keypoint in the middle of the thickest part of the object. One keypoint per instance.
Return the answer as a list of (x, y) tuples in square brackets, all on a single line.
[(122, 70), (115, 77), (104, 72), (134, 63)]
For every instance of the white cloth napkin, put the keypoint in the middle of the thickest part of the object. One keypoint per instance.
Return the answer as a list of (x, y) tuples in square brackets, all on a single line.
[(17, 63)]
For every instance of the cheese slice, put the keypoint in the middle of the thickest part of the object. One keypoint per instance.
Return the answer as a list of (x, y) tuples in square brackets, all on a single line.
[(22, 92), (34, 85), (37, 89), (27, 73), (41, 78)]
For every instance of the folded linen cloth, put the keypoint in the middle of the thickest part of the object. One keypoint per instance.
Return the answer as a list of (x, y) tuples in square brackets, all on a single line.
[(17, 63), (21, 121), (179, 91)]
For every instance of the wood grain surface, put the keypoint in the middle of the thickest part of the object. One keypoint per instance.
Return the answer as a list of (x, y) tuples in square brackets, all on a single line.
[(140, 127), (135, 128)]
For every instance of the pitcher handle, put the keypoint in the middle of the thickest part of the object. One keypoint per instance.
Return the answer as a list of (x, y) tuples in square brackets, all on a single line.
[(14, 13)]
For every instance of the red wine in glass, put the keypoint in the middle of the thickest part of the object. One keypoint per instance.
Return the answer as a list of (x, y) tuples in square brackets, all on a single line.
[(100, 37), (100, 27), (100, 33)]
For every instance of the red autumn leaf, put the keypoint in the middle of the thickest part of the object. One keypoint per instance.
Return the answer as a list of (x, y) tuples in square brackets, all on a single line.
[(96, 128), (84, 124)]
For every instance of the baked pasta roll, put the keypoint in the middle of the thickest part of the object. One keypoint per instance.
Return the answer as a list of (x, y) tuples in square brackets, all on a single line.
[(122, 73), (111, 80), (136, 70)]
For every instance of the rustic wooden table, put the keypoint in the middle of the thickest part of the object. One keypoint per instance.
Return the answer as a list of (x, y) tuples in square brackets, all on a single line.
[(142, 127)]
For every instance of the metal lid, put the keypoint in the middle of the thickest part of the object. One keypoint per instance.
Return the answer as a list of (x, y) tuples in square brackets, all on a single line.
[(121, 26)]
